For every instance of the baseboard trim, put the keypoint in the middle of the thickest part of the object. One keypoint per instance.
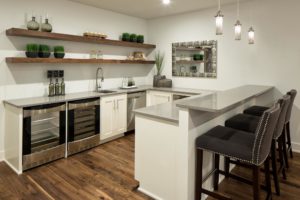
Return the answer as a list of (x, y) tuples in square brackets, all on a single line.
[(149, 194), (1, 156), (296, 147), (12, 167)]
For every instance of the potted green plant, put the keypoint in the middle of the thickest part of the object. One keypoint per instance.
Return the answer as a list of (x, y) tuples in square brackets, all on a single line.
[(32, 50), (159, 59), (133, 38), (59, 52), (126, 37), (198, 56), (140, 39), (44, 51)]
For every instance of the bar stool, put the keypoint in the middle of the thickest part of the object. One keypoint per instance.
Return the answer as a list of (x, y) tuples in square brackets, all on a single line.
[(258, 110), (243, 146), (248, 123)]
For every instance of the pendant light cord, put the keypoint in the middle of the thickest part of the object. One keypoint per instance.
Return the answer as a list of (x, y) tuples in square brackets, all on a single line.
[(219, 5), (238, 9)]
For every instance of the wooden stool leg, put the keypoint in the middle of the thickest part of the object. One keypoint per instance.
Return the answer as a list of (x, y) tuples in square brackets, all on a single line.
[(285, 149), (216, 174), (268, 178), (281, 160), (289, 141), (274, 168), (256, 182), (227, 166), (199, 168)]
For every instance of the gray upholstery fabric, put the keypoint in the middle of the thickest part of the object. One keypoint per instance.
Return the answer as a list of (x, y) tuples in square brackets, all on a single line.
[(293, 94), (228, 142), (243, 122), (264, 134), (249, 123), (284, 104), (252, 148), (256, 110)]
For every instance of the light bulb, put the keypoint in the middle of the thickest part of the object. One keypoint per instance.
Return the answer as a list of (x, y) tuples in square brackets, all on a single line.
[(251, 35), (166, 2), (238, 30), (219, 23)]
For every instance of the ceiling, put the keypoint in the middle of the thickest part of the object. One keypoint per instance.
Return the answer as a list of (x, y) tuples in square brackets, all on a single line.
[(149, 9)]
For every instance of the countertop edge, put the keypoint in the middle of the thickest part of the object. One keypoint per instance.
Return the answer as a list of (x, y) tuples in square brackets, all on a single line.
[(182, 105)]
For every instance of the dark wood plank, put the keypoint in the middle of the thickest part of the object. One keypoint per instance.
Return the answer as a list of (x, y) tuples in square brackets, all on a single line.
[(76, 61), (289, 189), (107, 173), (74, 38)]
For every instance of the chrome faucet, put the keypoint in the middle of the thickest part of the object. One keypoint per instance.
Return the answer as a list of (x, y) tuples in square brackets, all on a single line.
[(99, 84)]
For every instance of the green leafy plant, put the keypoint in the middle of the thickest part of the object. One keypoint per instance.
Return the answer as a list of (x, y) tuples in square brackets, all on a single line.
[(59, 49), (44, 48), (126, 37), (32, 47), (133, 38), (140, 39), (159, 59)]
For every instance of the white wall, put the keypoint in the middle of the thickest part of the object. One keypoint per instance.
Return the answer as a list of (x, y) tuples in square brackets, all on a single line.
[(28, 80), (273, 60)]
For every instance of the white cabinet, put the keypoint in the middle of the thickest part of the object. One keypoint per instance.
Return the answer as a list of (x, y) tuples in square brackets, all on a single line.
[(156, 97), (113, 120)]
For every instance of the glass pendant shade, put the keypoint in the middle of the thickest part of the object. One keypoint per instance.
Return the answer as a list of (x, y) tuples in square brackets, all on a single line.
[(219, 23), (238, 30), (251, 35), (166, 2)]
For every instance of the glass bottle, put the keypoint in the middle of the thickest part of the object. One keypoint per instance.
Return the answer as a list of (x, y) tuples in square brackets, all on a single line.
[(51, 88), (46, 27), (63, 87), (57, 87), (33, 25)]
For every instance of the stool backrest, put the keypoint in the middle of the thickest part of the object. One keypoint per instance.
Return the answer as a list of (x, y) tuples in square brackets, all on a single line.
[(264, 134), (293, 94), (284, 105)]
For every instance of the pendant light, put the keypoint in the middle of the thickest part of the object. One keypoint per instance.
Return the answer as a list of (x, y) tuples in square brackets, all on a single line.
[(238, 25), (166, 2), (219, 21), (251, 35)]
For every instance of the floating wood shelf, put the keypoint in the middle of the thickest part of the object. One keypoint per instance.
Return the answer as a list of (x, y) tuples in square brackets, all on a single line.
[(76, 61), (75, 38)]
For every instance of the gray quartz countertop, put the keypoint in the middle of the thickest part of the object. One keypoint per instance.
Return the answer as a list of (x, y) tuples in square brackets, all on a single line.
[(35, 101), (169, 111), (222, 100), (207, 101)]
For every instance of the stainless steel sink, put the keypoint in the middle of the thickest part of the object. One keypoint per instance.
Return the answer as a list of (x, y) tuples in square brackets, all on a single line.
[(106, 91)]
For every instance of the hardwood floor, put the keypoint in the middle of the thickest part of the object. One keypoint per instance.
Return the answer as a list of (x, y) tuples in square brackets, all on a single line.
[(290, 189), (106, 173), (102, 173)]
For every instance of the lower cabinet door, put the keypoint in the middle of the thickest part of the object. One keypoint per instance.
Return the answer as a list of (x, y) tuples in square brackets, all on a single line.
[(107, 117), (120, 117), (155, 98), (113, 116)]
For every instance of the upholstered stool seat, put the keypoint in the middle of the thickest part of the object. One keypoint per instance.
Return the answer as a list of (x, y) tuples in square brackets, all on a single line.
[(251, 148), (256, 110), (226, 141), (249, 123), (243, 122)]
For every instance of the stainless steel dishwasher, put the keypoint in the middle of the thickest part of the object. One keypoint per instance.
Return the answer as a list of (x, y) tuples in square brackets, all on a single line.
[(135, 100)]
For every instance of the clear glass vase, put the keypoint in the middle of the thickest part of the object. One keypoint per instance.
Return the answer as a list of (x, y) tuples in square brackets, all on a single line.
[(33, 25), (46, 27)]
